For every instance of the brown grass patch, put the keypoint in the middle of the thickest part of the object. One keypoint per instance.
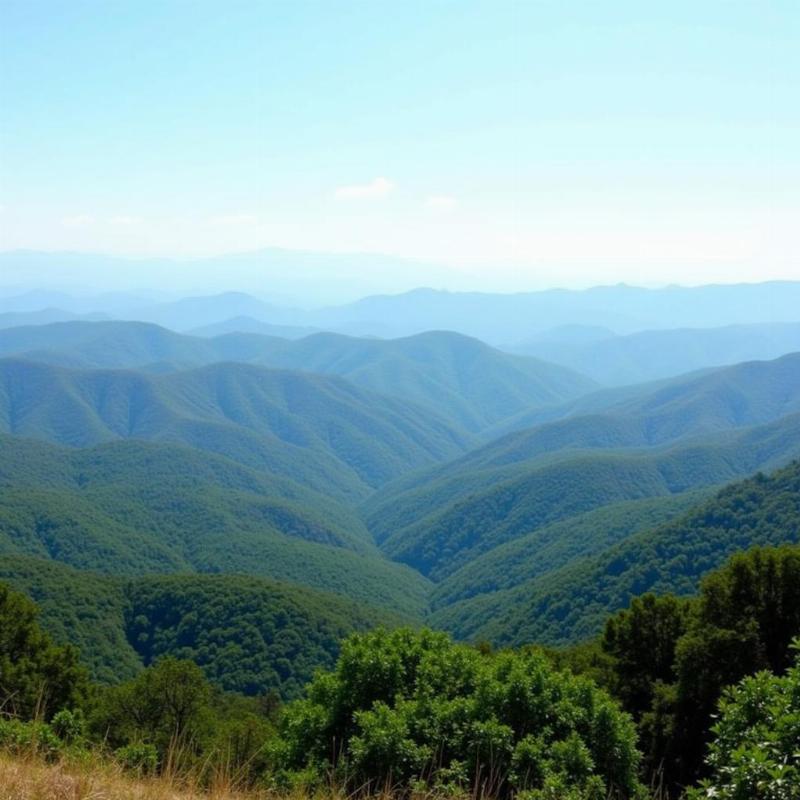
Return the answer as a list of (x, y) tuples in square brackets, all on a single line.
[(31, 779)]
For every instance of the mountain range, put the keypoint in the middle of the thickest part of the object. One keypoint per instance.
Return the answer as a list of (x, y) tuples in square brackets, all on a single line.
[(293, 483), (455, 376)]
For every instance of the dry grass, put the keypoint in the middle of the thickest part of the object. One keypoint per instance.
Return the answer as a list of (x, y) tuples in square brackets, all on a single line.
[(31, 779)]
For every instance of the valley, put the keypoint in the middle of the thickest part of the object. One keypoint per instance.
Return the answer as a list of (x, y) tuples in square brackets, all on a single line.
[(246, 501)]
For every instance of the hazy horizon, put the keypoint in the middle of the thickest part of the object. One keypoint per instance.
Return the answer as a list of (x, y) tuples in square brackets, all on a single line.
[(505, 146), (341, 277)]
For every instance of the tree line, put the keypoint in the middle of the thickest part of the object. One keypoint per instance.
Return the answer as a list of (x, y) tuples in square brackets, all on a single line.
[(690, 697)]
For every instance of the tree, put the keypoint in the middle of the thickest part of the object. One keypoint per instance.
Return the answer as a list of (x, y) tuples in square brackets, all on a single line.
[(642, 641), (755, 754), (747, 613), (166, 705), (37, 678)]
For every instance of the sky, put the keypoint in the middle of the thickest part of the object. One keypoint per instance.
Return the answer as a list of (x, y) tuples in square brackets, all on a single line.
[(523, 144)]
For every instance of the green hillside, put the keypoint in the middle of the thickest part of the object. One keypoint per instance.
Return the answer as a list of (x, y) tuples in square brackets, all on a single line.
[(105, 344), (631, 417), (572, 603), (471, 383), (247, 634), (442, 526), (129, 508), (321, 431), (460, 378), (552, 546), (655, 413)]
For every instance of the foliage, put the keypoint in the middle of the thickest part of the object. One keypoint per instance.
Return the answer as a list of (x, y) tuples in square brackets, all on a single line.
[(671, 658), (167, 706), (642, 641), (409, 707), (138, 757), (755, 753), (37, 678), (746, 616), (248, 635), (170, 719)]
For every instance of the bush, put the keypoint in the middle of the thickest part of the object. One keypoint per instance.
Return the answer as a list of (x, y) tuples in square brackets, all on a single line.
[(755, 754), (27, 738), (69, 726), (166, 706), (413, 708), (139, 757)]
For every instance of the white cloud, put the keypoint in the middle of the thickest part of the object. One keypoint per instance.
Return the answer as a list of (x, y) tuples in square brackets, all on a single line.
[(378, 187), (440, 202), (125, 221), (78, 221)]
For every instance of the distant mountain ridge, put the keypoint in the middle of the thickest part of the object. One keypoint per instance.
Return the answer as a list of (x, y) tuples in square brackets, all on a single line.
[(653, 355), (288, 277), (454, 376), (504, 318), (497, 318)]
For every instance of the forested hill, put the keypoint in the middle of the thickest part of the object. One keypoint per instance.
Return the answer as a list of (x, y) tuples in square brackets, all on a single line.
[(570, 604), (248, 635), (471, 384), (444, 524), (129, 508), (712, 399), (319, 430)]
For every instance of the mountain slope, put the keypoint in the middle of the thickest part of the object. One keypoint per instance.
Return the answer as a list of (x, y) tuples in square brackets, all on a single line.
[(659, 411), (659, 414), (130, 508), (444, 524), (247, 634), (550, 547), (320, 431), (463, 379), (572, 603)]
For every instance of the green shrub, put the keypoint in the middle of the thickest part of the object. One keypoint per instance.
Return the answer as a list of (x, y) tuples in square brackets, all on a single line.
[(138, 757), (22, 738), (69, 726), (755, 754), (413, 708)]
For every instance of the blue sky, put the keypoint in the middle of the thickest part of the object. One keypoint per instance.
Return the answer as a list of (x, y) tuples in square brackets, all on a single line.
[(525, 143)]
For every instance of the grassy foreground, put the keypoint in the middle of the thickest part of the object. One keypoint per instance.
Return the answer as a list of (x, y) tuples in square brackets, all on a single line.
[(30, 778)]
